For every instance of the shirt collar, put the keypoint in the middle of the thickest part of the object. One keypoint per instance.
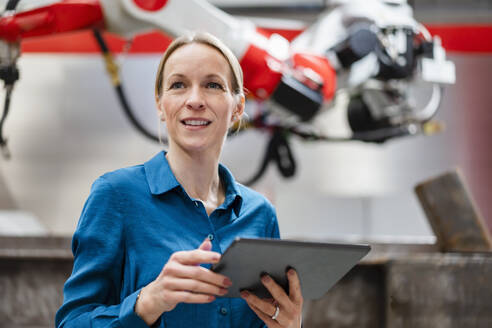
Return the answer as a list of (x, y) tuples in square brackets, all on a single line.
[(159, 175), (161, 179), (232, 193)]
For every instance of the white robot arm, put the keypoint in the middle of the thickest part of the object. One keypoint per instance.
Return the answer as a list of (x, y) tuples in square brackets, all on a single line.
[(371, 50)]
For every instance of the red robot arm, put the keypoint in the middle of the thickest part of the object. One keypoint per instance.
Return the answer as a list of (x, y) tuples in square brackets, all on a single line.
[(288, 80), (59, 17)]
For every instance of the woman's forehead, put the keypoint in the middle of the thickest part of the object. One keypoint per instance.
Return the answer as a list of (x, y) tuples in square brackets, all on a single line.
[(197, 58)]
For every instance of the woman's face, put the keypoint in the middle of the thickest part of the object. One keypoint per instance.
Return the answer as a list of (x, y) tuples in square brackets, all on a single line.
[(197, 102)]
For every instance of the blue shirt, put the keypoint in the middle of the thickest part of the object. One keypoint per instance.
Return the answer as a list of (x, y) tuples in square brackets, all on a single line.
[(132, 222)]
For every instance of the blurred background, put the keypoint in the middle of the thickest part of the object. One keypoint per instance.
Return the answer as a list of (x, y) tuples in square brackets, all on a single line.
[(66, 128)]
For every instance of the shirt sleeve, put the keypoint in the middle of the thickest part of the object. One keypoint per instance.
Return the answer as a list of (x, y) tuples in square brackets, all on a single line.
[(92, 293)]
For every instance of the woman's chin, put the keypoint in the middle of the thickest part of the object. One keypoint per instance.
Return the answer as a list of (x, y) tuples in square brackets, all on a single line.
[(198, 146)]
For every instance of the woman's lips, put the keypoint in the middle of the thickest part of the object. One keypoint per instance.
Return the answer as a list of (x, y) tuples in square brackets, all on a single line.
[(195, 123)]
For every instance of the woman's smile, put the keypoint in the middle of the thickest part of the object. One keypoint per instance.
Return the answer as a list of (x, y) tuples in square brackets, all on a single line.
[(196, 123), (197, 100)]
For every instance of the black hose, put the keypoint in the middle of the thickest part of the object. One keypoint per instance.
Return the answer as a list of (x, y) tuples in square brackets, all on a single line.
[(113, 71), (278, 150), (3, 142), (9, 74), (12, 4)]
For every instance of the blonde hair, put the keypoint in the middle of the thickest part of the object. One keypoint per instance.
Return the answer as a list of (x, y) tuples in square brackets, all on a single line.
[(211, 41)]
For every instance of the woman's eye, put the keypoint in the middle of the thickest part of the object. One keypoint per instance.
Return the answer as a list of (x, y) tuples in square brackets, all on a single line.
[(177, 85), (215, 85)]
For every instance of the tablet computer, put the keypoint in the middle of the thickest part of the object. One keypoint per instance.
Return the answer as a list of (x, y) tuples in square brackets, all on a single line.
[(319, 265)]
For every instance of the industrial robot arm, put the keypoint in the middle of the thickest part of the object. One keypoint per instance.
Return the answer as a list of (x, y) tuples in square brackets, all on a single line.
[(300, 81), (260, 56), (373, 51), (24, 19)]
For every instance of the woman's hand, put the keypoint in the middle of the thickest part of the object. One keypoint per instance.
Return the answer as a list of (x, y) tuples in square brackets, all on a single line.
[(289, 306), (182, 280)]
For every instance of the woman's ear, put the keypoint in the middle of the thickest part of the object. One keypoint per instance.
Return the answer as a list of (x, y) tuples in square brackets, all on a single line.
[(160, 109), (239, 110)]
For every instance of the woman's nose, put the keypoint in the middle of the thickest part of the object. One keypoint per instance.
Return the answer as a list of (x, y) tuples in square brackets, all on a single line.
[(195, 100)]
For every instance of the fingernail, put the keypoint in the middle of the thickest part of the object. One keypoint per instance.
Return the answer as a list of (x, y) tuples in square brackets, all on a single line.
[(223, 291), (266, 278), (244, 293), (290, 272), (211, 298), (227, 282)]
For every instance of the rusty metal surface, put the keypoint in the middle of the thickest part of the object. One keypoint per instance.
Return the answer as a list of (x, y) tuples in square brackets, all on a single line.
[(32, 273), (439, 291), (452, 214), (31, 291), (397, 286), (355, 301), (382, 253)]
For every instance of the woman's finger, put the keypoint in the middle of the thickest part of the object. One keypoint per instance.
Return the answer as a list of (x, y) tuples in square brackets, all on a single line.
[(268, 308), (265, 306), (189, 297), (196, 256), (206, 245), (197, 273), (195, 286), (277, 292), (295, 293), (264, 317)]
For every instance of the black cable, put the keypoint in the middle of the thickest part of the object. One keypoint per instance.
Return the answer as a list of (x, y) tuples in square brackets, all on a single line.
[(9, 74), (3, 142), (264, 164), (376, 135), (129, 114), (113, 71), (286, 163), (100, 41), (278, 150), (12, 4)]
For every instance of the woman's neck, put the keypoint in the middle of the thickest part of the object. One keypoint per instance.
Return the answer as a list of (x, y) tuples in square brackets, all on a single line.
[(198, 174)]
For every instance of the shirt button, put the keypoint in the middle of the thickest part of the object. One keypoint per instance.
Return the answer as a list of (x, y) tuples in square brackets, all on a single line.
[(223, 311), (196, 203), (210, 237)]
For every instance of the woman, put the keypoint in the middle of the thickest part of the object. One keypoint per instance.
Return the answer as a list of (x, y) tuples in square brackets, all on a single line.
[(140, 258)]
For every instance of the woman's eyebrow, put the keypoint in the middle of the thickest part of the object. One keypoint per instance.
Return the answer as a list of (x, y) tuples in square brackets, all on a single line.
[(212, 75), (176, 75)]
